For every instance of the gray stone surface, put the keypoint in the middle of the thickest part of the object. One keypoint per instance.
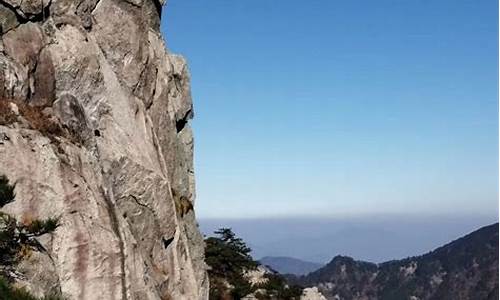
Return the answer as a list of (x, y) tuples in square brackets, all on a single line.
[(121, 172), (312, 294), (8, 19)]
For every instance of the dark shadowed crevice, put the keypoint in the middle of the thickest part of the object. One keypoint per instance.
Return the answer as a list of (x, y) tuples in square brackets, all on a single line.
[(158, 7), (181, 123), (167, 242)]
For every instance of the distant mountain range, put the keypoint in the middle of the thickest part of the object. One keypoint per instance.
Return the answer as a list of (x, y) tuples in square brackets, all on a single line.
[(371, 238), (466, 268), (289, 265)]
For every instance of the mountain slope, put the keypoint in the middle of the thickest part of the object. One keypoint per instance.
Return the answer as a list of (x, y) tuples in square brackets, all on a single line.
[(466, 268), (289, 265)]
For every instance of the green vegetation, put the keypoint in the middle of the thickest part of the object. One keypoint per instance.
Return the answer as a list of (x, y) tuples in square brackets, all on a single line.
[(40, 227), (277, 288), (8, 292), (16, 241), (229, 259)]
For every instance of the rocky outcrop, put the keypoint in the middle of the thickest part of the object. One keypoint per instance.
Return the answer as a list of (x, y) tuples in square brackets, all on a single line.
[(312, 294), (94, 129)]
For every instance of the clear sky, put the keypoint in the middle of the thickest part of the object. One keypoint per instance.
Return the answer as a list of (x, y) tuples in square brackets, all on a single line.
[(326, 107)]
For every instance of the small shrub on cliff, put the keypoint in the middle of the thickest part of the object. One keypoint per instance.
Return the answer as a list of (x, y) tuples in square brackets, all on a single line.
[(8, 292), (38, 120), (17, 238), (40, 227), (34, 116)]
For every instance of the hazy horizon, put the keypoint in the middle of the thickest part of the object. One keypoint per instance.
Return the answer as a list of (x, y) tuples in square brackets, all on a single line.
[(376, 238)]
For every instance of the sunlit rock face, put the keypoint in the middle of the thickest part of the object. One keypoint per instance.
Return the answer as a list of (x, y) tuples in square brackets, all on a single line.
[(94, 129), (312, 294)]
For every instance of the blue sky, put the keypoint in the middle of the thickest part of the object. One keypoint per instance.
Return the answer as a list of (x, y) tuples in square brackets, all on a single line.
[(341, 108)]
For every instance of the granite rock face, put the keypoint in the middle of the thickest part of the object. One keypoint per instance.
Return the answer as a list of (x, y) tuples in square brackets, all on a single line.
[(95, 130)]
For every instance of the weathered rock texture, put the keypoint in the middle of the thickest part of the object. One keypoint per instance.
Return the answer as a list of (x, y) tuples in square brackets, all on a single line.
[(312, 294), (94, 129)]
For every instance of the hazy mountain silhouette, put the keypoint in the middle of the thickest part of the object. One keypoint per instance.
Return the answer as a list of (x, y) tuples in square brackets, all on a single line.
[(289, 265), (371, 238)]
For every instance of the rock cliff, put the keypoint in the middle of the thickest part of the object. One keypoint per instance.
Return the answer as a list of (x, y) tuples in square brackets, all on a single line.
[(94, 128)]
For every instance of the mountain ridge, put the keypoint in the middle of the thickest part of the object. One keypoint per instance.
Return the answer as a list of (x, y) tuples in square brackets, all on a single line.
[(289, 265), (466, 268)]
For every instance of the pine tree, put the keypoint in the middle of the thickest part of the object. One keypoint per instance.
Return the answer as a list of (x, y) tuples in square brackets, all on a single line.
[(228, 257), (15, 236)]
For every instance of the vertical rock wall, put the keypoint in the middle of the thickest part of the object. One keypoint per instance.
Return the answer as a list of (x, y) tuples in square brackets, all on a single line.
[(94, 128)]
